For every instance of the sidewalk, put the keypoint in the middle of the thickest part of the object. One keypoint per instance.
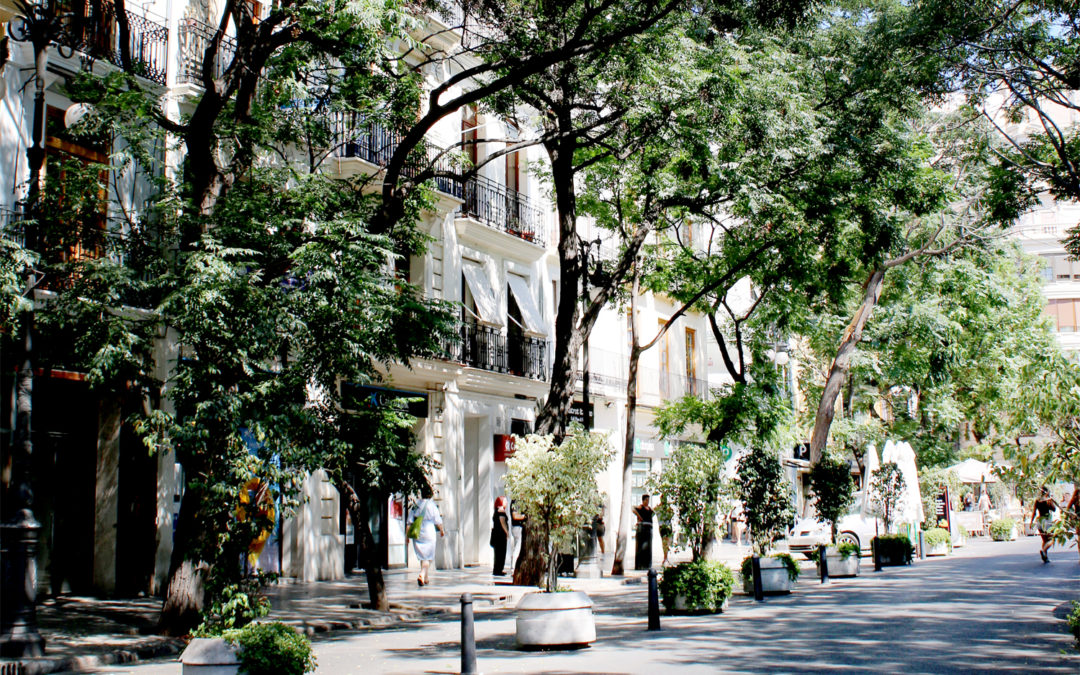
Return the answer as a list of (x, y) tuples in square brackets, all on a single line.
[(85, 633)]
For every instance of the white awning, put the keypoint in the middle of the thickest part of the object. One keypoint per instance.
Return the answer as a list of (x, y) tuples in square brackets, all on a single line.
[(482, 293), (530, 313)]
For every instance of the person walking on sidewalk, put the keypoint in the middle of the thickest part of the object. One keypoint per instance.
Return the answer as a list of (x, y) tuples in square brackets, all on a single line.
[(1044, 506), (424, 545), (500, 532)]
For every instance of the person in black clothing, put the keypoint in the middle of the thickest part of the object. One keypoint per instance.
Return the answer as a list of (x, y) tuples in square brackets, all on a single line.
[(500, 531), (643, 553), (1044, 506)]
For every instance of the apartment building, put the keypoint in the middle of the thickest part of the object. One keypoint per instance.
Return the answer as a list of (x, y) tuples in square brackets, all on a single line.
[(108, 509)]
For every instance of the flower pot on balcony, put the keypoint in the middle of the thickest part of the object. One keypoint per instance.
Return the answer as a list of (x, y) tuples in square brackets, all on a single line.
[(549, 620)]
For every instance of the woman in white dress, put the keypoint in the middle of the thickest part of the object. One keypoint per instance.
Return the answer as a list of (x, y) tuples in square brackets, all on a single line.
[(424, 546)]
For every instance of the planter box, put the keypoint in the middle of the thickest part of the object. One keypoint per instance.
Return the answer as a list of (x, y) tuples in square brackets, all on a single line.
[(894, 561), (555, 620), (940, 549), (1010, 537), (209, 656), (774, 578), (840, 567)]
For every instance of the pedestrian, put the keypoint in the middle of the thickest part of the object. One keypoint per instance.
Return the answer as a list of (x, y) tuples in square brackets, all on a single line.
[(643, 553), (1044, 506), (738, 523), (600, 529), (969, 503), (424, 543), (517, 531), (500, 532)]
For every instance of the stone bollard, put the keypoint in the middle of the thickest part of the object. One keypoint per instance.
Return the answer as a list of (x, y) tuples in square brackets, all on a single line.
[(654, 601), (922, 547), (468, 636)]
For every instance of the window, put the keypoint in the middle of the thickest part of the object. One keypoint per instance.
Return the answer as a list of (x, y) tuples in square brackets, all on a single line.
[(469, 136), (640, 475), (1064, 313), (513, 170), (691, 362)]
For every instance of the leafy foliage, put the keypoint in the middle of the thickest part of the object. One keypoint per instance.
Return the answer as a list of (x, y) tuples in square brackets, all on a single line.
[(792, 567), (704, 584), (235, 606), (937, 536), (1073, 621), (1002, 529), (554, 485), (887, 486), (766, 497), (272, 649), (896, 548), (834, 491), (696, 491)]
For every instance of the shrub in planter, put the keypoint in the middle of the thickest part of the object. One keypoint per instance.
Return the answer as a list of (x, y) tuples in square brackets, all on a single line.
[(766, 497), (936, 537), (272, 649), (1074, 622), (702, 585), (1003, 530), (893, 549), (834, 491), (845, 550)]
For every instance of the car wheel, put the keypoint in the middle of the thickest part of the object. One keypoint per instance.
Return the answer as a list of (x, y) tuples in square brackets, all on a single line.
[(848, 538)]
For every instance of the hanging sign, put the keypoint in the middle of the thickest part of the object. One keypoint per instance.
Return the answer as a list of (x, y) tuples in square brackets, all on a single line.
[(504, 447)]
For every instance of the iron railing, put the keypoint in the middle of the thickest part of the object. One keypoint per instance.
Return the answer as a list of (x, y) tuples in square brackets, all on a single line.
[(488, 348), (194, 37), (500, 207), (373, 142), (94, 30)]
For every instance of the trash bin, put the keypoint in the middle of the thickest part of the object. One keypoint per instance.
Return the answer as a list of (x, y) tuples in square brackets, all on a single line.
[(643, 547)]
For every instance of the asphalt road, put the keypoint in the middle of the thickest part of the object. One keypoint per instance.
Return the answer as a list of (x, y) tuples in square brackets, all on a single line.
[(991, 607)]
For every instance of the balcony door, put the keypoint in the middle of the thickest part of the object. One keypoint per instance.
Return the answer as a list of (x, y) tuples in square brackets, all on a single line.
[(515, 352)]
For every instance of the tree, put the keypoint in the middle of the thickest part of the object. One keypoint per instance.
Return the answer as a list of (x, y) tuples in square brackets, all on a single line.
[(887, 485), (694, 487), (834, 491), (554, 485), (766, 497)]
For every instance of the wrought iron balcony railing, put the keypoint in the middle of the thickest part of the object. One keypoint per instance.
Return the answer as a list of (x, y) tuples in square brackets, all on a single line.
[(93, 29), (487, 348), (194, 38), (500, 207)]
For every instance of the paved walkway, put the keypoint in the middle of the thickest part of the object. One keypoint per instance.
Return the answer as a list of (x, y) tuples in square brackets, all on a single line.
[(990, 607)]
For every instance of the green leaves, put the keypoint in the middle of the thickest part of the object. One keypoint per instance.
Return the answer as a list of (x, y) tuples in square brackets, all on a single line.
[(766, 497)]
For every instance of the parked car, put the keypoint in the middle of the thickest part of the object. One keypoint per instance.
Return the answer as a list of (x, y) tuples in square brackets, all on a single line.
[(809, 533)]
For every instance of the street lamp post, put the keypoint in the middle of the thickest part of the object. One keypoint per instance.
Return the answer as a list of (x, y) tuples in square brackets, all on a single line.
[(40, 24)]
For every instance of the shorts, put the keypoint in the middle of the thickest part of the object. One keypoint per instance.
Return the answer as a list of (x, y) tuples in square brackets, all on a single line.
[(1044, 524)]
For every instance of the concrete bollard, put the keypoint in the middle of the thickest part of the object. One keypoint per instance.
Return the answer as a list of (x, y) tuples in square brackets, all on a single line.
[(922, 547), (824, 562), (755, 570), (468, 636), (654, 601)]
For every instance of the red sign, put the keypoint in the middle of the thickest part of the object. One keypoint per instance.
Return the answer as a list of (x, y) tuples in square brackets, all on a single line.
[(504, 447)]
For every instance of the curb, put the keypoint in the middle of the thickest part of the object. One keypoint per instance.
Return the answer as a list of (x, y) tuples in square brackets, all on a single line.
[(43, 665)]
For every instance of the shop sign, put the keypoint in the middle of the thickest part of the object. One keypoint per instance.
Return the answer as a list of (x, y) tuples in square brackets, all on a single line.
[(578, 414), (504, 447), (355, 396)]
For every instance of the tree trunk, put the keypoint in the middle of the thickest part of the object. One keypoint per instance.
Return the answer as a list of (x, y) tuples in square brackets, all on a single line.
[(623, 533), (369, 554), (841, 364), (184, 593), (529, 569)]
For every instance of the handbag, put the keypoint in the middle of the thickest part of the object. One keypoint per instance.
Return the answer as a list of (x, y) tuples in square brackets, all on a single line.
[(415, 526)]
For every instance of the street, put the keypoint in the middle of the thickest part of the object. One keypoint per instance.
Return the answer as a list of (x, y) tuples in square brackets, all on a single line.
[(993, 606)]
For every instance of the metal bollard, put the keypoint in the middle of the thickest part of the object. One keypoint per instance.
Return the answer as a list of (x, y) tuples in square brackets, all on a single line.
[(654, 601), (755, 569), (922, 549), (468, 636), (824, 564), (874, 551)]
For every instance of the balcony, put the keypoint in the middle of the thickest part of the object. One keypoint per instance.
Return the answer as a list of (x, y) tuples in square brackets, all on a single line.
[(194, 37), (501, 208), (93, 29), (487, 348), (374, 143)]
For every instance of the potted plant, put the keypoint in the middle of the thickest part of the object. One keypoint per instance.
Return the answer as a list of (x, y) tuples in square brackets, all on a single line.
[(960, 537), (843, 559), (694, 489), (696, 587), (256, 649), (1003, 529), (937, 541), (779, 572), (769, 514), (893, 549), (887, 486), (834, 493), (555, 487)]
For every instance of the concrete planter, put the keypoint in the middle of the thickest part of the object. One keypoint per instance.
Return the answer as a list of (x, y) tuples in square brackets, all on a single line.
[(840, 566), (939, 549), (958, 541), (547, 620), (680, 605), (774, 578), (210, 656)]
